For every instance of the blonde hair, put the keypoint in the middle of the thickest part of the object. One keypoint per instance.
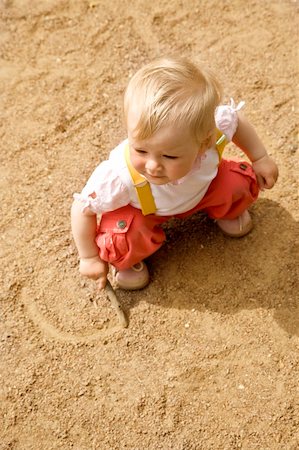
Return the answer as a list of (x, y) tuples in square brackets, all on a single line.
[(172, 90)]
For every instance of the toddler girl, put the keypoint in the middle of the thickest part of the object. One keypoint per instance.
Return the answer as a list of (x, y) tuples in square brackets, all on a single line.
[(170, 166)]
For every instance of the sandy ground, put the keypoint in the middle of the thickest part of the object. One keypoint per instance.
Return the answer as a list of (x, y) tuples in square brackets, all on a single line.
[(210, 358)]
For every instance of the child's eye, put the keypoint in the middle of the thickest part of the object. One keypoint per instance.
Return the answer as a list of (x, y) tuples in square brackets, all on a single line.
[(139, 150), (170, 157)]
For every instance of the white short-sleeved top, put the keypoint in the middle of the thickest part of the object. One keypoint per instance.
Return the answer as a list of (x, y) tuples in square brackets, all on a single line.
[(110, 185)]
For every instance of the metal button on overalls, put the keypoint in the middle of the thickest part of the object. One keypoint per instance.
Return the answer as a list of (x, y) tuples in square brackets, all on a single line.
[(243, 166), (121, 224)]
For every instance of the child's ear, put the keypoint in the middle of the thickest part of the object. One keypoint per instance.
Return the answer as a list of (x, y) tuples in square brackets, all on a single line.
[(201, 150), (204, 146), (208, 142)]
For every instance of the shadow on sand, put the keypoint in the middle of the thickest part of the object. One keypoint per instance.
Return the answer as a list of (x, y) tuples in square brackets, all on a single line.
[(199, 268)]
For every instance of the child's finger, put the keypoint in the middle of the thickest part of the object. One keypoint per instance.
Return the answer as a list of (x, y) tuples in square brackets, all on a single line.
[(261, 182), (102, 282), (269, 183)]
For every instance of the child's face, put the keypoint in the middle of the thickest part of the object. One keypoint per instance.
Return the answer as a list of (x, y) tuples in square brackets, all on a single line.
[(166, 156)]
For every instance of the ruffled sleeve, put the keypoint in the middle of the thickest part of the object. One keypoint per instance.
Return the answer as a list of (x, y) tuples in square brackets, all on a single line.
[(104, 191), (226, 118)]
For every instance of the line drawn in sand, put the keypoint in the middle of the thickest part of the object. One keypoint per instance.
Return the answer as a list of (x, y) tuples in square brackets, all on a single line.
[(53, 332)]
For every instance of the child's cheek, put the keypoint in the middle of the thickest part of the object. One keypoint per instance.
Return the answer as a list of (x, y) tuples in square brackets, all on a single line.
[(138, 163)]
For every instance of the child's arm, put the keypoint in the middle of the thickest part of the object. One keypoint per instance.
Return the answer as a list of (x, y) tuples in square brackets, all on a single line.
[(84, 226), (264, 167)]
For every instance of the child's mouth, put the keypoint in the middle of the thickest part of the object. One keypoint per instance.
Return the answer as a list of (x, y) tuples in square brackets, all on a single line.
[(154, 177)]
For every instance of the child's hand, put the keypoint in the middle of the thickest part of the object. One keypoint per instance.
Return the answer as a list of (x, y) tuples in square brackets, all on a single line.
[(266, 172), (94, 268)]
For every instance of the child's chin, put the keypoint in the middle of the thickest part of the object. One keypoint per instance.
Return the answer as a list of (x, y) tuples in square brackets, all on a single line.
[(157, 180)]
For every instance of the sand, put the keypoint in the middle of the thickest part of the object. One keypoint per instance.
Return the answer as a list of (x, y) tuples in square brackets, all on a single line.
[(210, 358)]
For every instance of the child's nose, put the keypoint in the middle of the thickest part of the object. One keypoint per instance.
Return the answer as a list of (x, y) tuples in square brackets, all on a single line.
[(152, 165)]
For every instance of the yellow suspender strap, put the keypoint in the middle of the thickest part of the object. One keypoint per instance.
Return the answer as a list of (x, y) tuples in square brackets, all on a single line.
[(220, 143), (142, 187)]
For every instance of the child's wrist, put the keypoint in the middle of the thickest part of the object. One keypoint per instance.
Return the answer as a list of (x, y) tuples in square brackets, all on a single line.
[(259, 155), (90, 258)]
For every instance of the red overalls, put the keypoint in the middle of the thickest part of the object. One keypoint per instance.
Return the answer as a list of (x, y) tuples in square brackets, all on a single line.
[(125, 236)]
